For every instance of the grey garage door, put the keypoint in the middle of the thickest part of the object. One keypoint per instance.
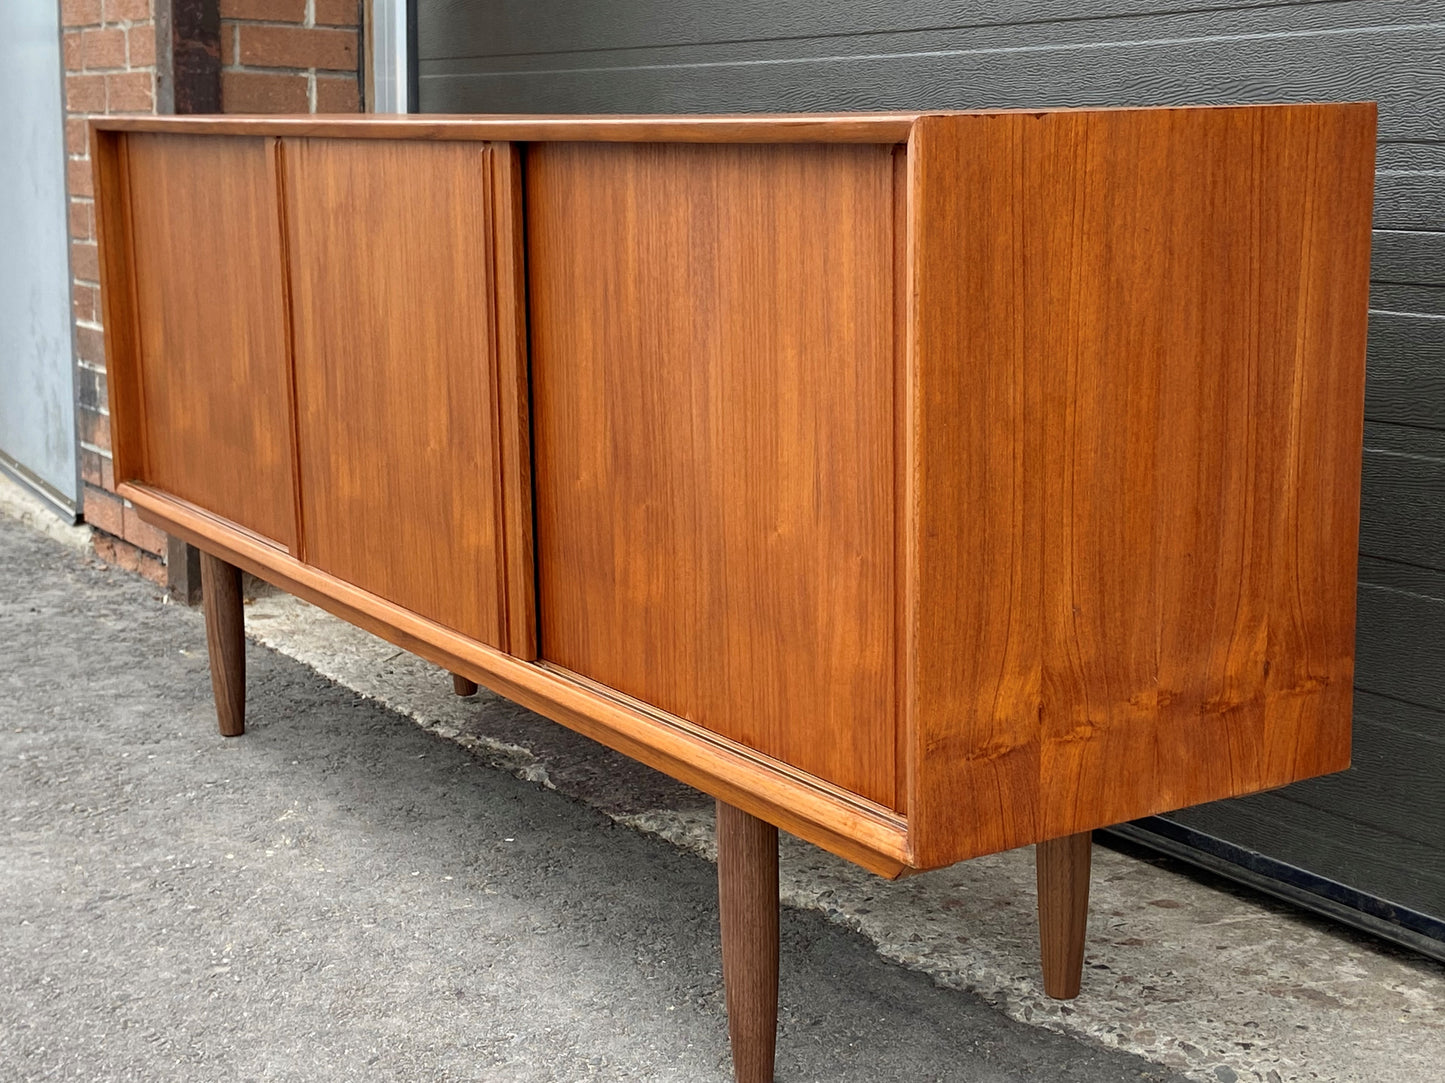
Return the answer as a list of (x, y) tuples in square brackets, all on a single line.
[(1372, 840)]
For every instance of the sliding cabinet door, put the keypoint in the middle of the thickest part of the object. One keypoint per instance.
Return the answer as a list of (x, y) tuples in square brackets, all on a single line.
[(713, 396), (394, 280), (200, 365)]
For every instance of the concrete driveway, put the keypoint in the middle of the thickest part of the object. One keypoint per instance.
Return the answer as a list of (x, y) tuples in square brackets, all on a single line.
[(341, 895), (383, 881)]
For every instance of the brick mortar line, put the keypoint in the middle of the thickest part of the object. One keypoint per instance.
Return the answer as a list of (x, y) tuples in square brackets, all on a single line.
[(251, 69), (238, 23)]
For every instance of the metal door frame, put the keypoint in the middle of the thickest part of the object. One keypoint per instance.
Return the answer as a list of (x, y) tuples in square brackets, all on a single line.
[(68, 508), (393, 56)]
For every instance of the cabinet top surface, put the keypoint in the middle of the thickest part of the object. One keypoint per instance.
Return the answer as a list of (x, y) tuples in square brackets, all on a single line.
[(740, 128)]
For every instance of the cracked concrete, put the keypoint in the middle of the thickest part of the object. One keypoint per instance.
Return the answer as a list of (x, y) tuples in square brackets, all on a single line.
[(1189, 972), (1183, 973)]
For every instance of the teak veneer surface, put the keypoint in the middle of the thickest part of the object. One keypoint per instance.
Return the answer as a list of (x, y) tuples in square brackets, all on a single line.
[(397, 427), (1139, 346), (985, 485), (712, 373), (211, 365)]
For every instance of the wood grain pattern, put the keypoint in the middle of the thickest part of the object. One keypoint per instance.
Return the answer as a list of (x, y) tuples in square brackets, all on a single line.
[(861, 832), (1139, 341), (747, 889), (463, 686), (118, 302), (513, 400), (905, 478), (210, 328), (1062, 872), (225, 642), (508, 127), (712, 364), (390, 247)]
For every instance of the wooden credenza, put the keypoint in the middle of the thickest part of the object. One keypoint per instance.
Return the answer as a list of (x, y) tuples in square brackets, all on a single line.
[(923, 485)]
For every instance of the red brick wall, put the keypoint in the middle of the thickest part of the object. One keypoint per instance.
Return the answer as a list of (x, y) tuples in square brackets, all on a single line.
[(109, 53), (290, 56), (278, 56)]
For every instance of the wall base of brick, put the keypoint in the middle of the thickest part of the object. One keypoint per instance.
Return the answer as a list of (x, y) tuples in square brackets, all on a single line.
[(121, 538), (130, 557)]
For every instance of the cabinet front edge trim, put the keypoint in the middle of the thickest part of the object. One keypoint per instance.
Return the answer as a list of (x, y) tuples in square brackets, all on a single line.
[(844, 825)]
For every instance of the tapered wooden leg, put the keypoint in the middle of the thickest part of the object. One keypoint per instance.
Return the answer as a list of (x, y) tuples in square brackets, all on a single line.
[(226, 642), (1063, 875), (463, 687), (747, 881)]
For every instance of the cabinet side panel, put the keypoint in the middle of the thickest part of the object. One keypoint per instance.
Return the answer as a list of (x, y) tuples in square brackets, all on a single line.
[(390, 249), (211, 327), (712, 360), (977, 640), (1141, 355)]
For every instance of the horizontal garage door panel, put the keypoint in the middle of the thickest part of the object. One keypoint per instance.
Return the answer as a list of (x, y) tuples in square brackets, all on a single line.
[(1333, 52), (1400, 637), (1410, 297), (1409, 200), (1405, 373), (1377, 826), (1403, 495), (447, 26), (1405, 256), (1399, 754), (1339, 847)]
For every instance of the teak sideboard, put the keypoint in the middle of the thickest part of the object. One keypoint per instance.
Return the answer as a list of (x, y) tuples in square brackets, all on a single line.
[(925, 485)]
